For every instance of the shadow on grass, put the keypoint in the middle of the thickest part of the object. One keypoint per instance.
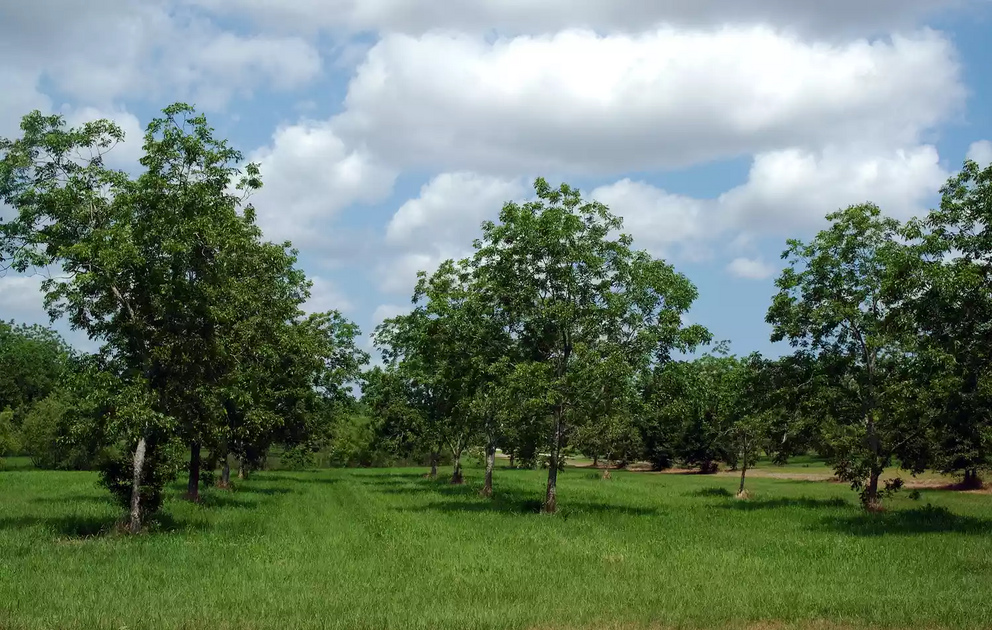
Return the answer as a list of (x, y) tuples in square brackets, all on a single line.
[(73, 498), (805, 503), (711, 492), (78, 527), (925, 520)]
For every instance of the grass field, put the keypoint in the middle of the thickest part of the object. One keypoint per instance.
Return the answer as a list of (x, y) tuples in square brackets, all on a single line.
[(389, 549)]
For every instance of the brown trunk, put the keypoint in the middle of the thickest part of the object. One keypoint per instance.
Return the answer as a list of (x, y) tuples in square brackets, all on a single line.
[(193, 487), (487, 488), (740, 491), (435, 455), (139, 464), (511, 459), (225, 475), (870, 500), (972, 480), (595, 461), (456, 470), (551, 495)]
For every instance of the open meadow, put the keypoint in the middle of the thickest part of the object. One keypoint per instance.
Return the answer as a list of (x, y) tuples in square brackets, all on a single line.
[(386, 548)]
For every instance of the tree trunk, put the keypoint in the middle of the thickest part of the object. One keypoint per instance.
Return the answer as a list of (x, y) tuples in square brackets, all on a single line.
[(972, 480), (740, 491), (139, 464), (511, 459), (456, 471), (193, 487), (435, 455), (595, 461), (551, 495), (870, 500), (225, 475), (242, 474), (487, 488)]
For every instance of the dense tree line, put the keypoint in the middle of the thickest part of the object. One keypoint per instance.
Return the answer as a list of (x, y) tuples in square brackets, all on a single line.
[(557, 336), (204, 346)]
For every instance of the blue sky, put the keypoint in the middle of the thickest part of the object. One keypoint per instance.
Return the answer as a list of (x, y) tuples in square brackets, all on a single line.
[(388, 129)]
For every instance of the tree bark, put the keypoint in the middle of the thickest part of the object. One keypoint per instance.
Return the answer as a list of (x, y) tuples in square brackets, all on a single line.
[(435, 455), (871, 501), (511, 459), (225, 475), (595, 461), (139, 464), (456, 471), (193, 486), (740, 490), (551, 495), (487, 488), (972, 481)]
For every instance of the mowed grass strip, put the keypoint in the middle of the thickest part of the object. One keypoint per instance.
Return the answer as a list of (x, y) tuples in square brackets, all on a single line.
[(389, 549)]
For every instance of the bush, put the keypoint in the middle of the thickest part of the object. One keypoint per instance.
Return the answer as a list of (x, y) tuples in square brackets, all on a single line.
[(8, 436), (164, 458)]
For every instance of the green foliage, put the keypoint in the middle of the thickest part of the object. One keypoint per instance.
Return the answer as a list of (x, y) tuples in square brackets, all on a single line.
[(837, 301), (9, 441), (32, 361)]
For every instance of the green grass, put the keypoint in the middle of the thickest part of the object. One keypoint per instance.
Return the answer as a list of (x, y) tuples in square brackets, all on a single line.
[(388, 549)]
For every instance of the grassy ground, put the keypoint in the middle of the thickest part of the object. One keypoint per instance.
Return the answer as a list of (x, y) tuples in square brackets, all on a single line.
[(388, 549)]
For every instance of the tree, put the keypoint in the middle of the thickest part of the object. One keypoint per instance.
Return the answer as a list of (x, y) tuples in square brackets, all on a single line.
[(32, 361), (835, 300), (146, 262), (572, 295), (949, 276)]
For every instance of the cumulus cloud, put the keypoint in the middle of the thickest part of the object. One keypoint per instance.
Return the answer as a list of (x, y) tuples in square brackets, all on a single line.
[(441, 223), (750, 268), (581, 102), (100, 51), (325, 296), (419, 16), (786, 191), (981, 152), (309, 173)]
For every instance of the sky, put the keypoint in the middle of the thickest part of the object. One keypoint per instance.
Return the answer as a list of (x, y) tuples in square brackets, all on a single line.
[(388, 130)]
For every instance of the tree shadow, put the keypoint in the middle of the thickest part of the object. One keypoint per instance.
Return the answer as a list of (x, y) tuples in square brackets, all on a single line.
[(73, 498), (272, 491), (925, 520), (79, 527), (710, 492), (805, 503)]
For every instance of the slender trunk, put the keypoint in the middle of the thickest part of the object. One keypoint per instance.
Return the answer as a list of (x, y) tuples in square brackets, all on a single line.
[(435, 455), (870, 500), (972, 480), (740, 491), (241, 470), (225, 475), (511, 459), (595, 461), (456, 471), (551, 496), (193, 487), (139, 464), (487, 488)]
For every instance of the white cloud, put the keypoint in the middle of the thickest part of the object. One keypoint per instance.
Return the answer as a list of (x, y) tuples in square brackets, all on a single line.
[(786, 192), (750, 268), (581, 102), (102, 50), (419, 16), (309, 173), (658, 220), (981, 152), (123, 156), (440, 224), (21, 298), (325, 296)]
